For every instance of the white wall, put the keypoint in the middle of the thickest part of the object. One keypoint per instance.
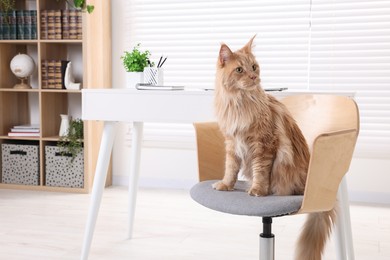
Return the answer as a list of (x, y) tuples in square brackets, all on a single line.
[(368, 179)]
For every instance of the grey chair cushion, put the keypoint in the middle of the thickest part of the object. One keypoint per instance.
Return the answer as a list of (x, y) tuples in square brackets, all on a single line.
[(239, 202)]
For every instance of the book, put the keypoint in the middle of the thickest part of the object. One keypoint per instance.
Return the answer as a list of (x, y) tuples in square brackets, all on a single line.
[(27, 24), (51, 74), (57, 25), (1, 25), (51, 31), (33, 14), (44, 28), (65, 24), (5, 26), (57, 74), (73, 24), (25, 130), (9, 25), (44, 74), (79, 25), (27, 134), (27, 126), (20, 24), (12, 24)]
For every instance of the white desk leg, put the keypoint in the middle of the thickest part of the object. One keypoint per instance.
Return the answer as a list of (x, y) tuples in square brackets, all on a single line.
[(136, 144), (98, 184), (347, 220), (343, 234)]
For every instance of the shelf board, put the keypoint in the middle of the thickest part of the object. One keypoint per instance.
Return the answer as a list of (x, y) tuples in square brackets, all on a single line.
[(42, 41), (51, 138), (30, 138), (19, 90), (62, 41), (54, 138), (48, 90), (42, 188), (44, 90), (20, 41)]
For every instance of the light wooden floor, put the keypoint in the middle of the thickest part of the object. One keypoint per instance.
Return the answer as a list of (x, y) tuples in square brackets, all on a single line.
[(168, 225)]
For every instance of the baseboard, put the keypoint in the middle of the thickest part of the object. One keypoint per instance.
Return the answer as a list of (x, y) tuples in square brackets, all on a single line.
[(155, 183), (369, 197)]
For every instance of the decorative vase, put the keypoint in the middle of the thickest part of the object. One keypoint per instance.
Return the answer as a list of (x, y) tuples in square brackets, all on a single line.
[(64, 127), (132, 78)]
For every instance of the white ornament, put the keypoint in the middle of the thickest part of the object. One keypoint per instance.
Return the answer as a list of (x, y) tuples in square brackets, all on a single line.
[(69, 79)]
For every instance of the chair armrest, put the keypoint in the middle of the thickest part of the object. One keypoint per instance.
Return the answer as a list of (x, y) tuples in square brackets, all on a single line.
[(211, 151), (330, 160)]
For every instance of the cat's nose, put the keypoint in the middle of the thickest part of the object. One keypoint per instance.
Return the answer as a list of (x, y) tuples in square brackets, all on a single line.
[(253, 77)]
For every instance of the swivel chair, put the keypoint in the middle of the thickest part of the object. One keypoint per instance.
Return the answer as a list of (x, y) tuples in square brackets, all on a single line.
[(330, 125)]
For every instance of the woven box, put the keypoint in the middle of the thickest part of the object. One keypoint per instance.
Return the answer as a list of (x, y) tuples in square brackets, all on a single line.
[(61, 171), (20, 164)]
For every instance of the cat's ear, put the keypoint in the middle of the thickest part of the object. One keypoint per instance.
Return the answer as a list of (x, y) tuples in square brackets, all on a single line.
[(224, 54), (248, 47)]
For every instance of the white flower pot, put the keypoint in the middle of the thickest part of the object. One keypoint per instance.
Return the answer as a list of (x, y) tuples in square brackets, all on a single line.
[(132, 78)]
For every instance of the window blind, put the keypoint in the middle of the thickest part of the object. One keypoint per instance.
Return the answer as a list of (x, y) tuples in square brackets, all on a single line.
[(189, 33), (303, 44), (350, 50)]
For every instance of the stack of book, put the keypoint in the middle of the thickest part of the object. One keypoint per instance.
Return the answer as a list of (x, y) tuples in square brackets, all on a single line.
[(53, 73), (61, 24), (18, 25), (25, 130)]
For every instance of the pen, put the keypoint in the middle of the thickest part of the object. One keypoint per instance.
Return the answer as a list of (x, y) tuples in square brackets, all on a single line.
[(158, 65), (162, 62)]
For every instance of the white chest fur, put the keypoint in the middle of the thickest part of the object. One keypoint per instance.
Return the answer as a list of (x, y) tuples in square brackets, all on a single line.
[(241, 147)]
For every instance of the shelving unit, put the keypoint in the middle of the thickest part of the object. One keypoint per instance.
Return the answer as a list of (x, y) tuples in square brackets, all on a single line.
[(91, 58)]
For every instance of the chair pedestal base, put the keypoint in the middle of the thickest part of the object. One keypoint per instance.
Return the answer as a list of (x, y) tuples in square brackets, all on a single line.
[(267, 241)]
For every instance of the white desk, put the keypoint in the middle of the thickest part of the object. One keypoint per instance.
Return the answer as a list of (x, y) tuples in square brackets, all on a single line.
[(128, 105)]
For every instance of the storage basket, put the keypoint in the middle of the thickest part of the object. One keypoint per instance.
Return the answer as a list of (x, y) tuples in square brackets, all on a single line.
[(61, 171), (20, 164)]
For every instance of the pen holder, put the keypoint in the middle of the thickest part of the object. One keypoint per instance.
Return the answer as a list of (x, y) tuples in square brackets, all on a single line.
[(154, 76)]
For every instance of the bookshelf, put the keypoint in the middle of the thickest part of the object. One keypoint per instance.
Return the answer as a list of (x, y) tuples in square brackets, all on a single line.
[(91, 63)]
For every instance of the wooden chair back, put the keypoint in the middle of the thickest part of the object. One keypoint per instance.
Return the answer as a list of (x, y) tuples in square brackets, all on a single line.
[(318, 114), (211, 151)]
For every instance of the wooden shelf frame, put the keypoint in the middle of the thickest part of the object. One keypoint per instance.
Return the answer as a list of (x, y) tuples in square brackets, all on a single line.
[(16, 106)]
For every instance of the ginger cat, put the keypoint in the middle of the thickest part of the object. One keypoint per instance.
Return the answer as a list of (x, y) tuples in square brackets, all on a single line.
[(263, 142)]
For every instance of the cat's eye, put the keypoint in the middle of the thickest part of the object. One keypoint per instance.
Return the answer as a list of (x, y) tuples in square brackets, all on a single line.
[(239, 69), (254, 67)]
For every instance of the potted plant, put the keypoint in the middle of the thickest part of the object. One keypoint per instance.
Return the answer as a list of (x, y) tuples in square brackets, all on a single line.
[(71, 144), (134, 63)]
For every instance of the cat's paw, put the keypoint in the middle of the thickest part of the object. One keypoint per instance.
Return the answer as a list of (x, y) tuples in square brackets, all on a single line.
[(257, 191), (221, 186)]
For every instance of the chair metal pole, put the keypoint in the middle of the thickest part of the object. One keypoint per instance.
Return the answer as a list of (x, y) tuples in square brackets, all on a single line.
[(267, 240)]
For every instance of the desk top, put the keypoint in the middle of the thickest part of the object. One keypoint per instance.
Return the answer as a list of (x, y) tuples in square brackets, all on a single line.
[(160, 106)]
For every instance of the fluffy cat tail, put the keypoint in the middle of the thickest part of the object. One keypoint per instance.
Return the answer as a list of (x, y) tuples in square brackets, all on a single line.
[(314, 235)]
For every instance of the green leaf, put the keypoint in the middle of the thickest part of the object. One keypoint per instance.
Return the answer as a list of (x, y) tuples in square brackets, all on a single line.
[(79, 3), (90, 8)]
